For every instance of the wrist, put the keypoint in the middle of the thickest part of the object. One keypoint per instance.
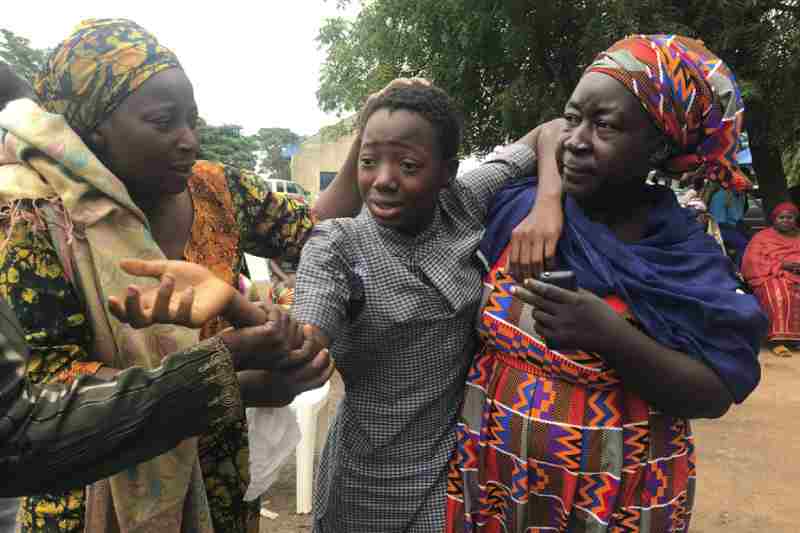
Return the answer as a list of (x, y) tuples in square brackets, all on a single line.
[(241, 312), (549, 199), (261, 389)]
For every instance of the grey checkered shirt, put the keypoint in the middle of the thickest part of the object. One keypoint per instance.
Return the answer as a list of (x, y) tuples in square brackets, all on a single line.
[(400, 311)]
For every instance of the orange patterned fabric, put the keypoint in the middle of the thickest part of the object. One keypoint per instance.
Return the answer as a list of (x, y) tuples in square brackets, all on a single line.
[(214, 242), (77, 369)]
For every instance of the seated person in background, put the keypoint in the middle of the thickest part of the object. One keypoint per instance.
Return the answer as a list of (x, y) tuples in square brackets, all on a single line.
[(727, 205), (771, 267), (283, 280), (695, 192)]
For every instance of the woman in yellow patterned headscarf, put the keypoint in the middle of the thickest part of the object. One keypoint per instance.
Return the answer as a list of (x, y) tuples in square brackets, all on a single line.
[(120, 179), (104, 61)]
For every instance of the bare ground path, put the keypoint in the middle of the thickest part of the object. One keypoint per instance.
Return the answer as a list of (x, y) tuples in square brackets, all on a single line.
[(748, 462)]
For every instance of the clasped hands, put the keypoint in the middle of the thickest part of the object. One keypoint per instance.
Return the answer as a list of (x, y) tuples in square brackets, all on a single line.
[(277, 357)]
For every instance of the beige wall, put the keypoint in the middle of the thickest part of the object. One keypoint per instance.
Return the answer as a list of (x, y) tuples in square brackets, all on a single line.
[(315, 156)]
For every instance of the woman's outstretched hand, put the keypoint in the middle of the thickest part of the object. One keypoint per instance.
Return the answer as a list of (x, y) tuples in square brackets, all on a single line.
[(188, 295)]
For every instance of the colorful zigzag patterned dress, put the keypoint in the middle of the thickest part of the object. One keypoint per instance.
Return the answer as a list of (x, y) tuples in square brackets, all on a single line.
[(551, 442)]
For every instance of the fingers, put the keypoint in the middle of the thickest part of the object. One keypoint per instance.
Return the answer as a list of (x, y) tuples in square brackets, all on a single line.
[(521, 293), (513, 256), (294, 333), (531, 260), (525, 249), (253, 346), (299, 357), (549, 255), (314, 374), (534, 300), (296, 336), (135, 313), (161, 305), (549, 292), (117, 308), (522, 261), (183, 314), (139, 267)]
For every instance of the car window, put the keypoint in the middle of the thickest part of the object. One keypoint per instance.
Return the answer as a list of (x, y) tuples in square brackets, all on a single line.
[(291, 188), (278, 186)]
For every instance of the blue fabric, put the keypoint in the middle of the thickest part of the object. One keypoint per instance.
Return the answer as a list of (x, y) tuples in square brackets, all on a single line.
[(722, 212), (677, 284), (734, 240)]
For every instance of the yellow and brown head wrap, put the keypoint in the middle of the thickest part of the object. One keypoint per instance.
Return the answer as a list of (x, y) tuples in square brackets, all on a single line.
[(102, 62)]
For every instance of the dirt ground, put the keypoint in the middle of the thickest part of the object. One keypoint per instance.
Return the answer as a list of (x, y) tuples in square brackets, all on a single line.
[(748, 462)]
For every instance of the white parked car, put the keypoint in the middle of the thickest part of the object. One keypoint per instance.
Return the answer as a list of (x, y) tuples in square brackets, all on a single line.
[(290, 188)]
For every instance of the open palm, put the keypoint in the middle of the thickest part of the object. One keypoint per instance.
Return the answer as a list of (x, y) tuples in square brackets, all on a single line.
[(188, 295)]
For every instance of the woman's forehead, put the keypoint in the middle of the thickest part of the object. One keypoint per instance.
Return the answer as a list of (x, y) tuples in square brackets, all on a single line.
[(603, 93), (167, 88)]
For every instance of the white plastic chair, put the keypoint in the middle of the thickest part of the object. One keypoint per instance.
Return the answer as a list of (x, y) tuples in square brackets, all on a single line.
[(258, 267), (307, 407)]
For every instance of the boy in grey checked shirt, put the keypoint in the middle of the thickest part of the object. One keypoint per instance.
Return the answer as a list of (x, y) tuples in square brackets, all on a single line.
[(394, 293)]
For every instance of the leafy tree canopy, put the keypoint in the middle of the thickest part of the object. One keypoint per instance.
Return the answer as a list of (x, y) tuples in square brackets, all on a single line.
[(511, 64), (271, 143)]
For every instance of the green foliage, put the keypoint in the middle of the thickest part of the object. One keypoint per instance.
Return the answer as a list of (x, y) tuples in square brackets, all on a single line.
[(270, 141), (511, 64), (16, 51), (343, 128), (791, 162), (227, 145)]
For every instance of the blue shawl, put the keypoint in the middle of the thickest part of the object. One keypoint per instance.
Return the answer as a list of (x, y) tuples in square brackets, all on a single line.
[(676, 282)]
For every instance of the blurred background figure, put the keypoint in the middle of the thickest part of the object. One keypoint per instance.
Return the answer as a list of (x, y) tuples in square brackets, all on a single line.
[(771, 267)]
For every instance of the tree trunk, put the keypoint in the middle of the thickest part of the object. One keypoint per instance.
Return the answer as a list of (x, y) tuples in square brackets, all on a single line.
[(771, 176)]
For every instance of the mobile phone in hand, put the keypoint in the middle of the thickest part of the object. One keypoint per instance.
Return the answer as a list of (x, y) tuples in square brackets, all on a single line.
[(566, 280)]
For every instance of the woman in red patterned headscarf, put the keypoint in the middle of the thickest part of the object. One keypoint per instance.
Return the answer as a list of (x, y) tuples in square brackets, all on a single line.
[(772, 268), (576, 411)]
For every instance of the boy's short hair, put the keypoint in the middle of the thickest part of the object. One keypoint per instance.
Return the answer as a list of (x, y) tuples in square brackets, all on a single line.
[(429, 101)]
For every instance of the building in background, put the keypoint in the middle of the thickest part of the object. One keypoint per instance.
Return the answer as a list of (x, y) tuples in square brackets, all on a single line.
[(318, 158)]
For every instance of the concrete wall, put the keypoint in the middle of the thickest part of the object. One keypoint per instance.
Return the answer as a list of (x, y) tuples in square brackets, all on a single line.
[(315, 156)]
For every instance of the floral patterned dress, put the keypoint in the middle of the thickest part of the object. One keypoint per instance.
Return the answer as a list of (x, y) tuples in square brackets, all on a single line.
[(234, 214)]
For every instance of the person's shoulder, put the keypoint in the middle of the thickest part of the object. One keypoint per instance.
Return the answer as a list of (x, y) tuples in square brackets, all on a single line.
[(209, 170), (211, 175), (219, 178), (339, 231)]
